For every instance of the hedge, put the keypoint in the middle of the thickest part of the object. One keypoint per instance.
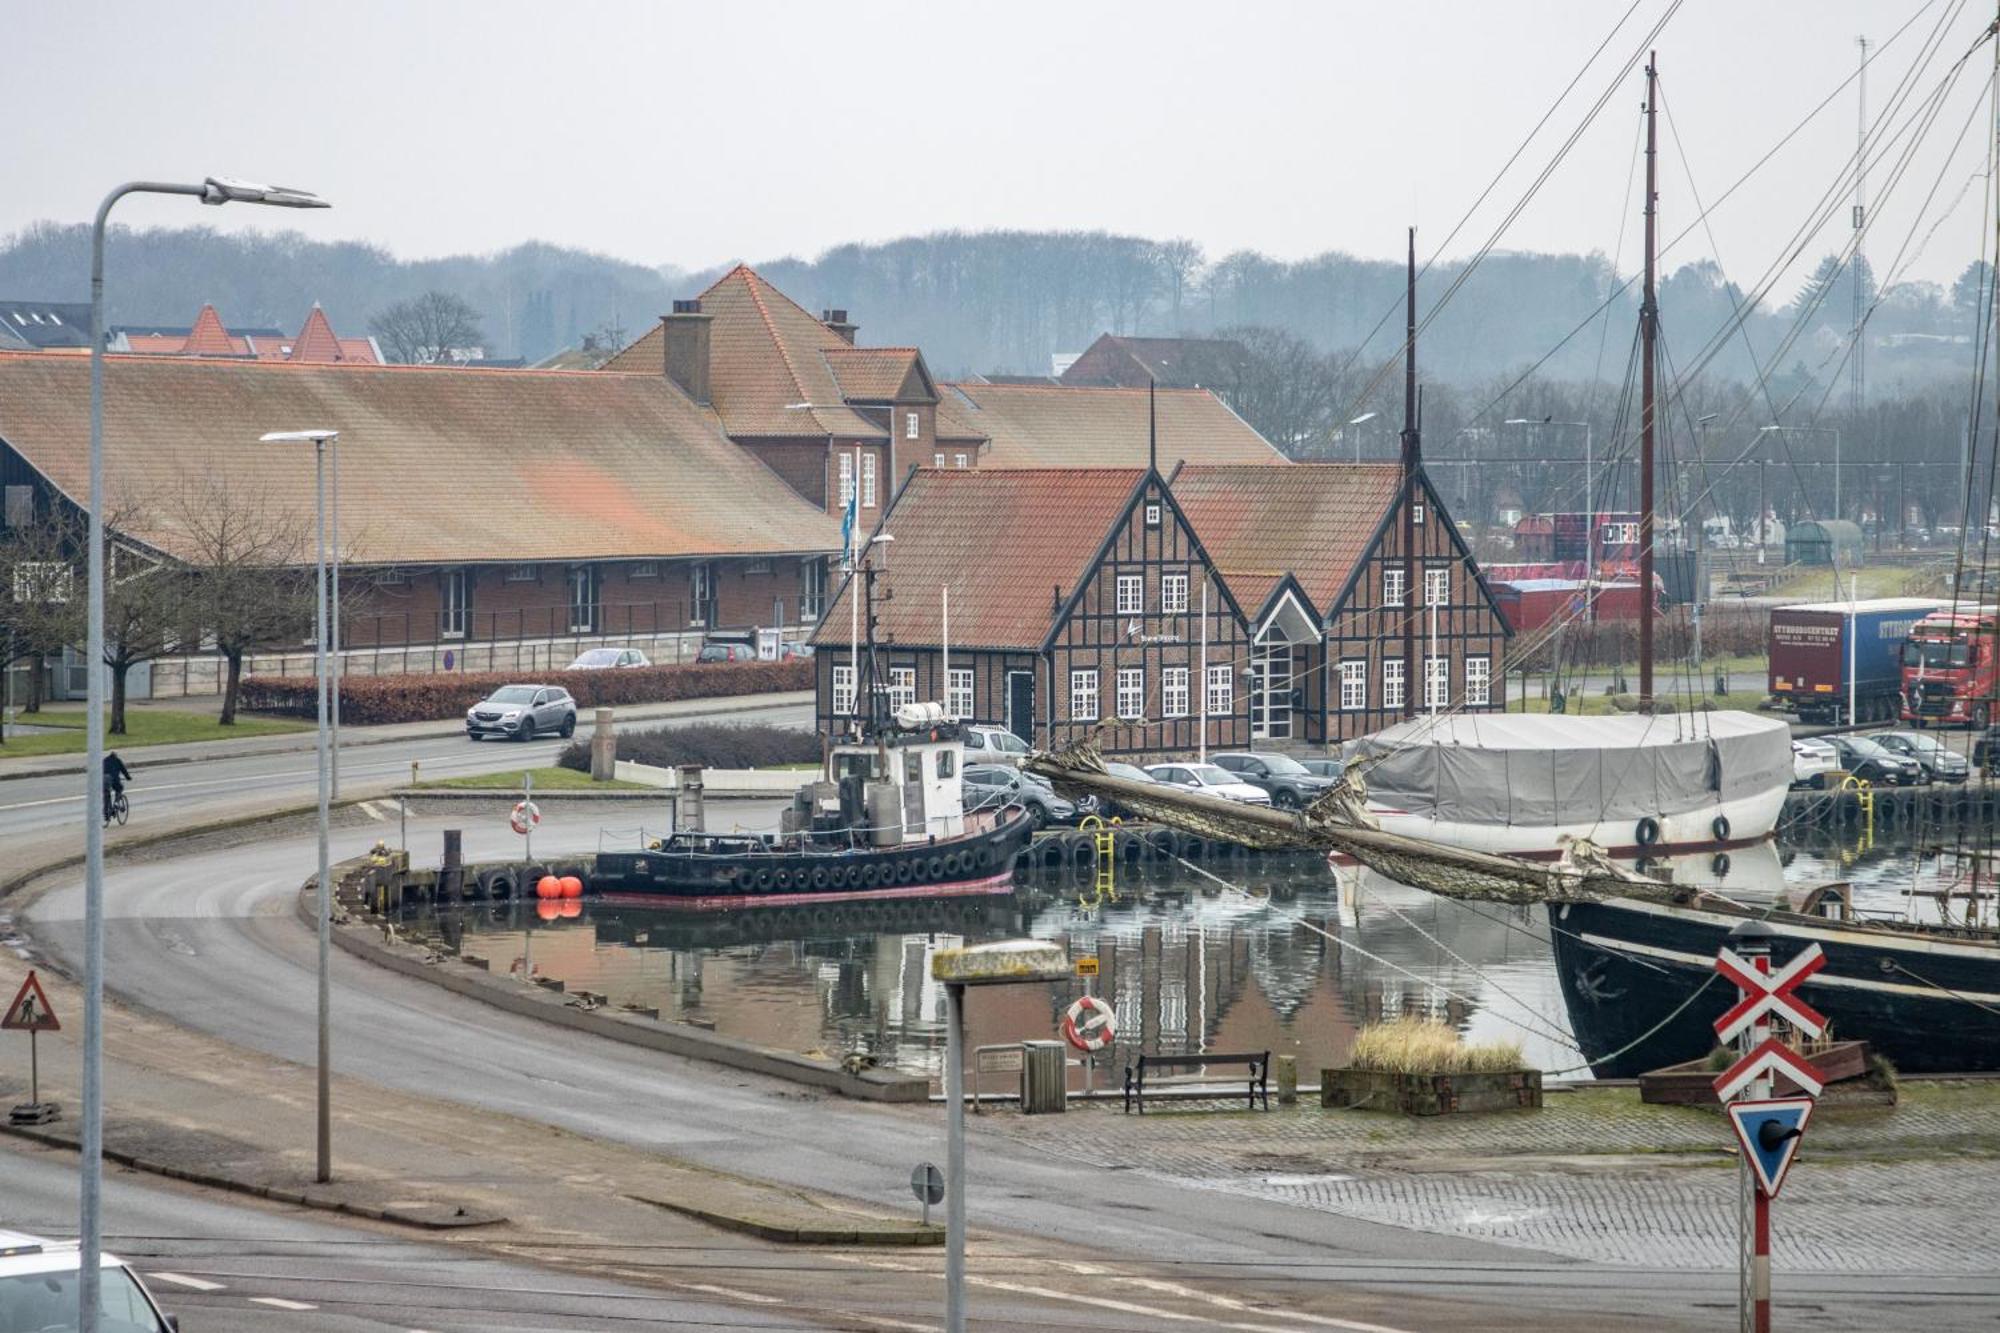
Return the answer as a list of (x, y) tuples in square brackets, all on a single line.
[(368, 700), (1726, 631), (710, 744)]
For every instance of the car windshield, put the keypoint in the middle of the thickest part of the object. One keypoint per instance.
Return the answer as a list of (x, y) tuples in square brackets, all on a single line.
[(1132, 771), (1009, 742), (512, 694), (597, 657), (1935, 653), (1866, 749), (1911, 743), (46, 1302), (1284, 766), (1208, 775)]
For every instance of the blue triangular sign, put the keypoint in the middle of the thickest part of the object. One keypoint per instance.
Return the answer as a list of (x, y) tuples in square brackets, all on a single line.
[(1769, 1132)]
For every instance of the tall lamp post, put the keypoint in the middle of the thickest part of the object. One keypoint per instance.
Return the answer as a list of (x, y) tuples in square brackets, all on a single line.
[(1361, 420), (319, 440), (90, 1228), (1009, 962)]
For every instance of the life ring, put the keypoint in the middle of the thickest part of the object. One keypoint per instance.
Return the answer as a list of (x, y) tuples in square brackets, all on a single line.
[(1089, 1024), (1648, 831), (1720, 828), (526, 817)]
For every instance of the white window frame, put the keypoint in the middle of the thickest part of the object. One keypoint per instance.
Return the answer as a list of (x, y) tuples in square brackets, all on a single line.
[(1173, 594), (1173, 691), (958, 460), (958, 693), (867, 481), (1153, 515), (843, 691), (1437, 585), (1132, 692), (454, 613), (913, 426), (1083, 694), (524, 574), (1135, 603), (392, 578), (902, 686), (701, 592), (643, 569), (760, 565), (1353, 684), (1392, 682), (1479, 680), (846, 479), (812, 587), (937, 460), (1417, 515), (582, 579), (1437, 681), (1221, 689), (1393, 592)]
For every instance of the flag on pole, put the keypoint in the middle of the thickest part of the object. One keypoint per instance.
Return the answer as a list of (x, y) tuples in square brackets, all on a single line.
[(847, 533)]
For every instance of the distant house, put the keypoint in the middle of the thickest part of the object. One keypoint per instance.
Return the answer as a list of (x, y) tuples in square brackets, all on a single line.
[(44, 326), (315, 343), (1114, 361), (1037, 425)]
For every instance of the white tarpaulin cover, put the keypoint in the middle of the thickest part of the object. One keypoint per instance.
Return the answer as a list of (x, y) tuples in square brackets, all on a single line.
[(1534, 769)]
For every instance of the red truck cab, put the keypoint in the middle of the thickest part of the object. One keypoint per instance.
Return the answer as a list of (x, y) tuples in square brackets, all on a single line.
[(1951, 669)]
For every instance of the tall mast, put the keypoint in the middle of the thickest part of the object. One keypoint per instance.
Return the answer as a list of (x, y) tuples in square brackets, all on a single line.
[(1649, 330), (1857, 388), (1412, 462)]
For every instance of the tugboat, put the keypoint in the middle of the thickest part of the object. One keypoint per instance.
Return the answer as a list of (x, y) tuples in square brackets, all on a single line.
[(886, 819)]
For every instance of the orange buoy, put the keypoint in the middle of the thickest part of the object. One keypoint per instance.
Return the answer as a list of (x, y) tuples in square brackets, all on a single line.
[(548, 886), (572, 887), (569, 907), (548, 910)]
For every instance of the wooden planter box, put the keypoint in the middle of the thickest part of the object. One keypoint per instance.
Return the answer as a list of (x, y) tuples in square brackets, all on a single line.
[(1692, 1083), (1430, 1094)]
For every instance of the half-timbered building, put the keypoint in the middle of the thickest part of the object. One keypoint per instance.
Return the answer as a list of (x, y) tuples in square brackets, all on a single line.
[(1048, 601), (1347, 634)]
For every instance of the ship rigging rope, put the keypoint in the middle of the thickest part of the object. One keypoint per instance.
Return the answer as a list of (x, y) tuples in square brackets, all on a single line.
[(1941, 988)]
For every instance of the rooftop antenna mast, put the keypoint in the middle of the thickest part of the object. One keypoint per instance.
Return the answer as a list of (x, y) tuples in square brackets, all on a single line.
[(1649, 332), (1413, 452), (1152, 427)]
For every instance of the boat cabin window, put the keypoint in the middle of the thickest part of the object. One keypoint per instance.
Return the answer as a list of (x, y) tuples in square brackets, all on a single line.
[(947, 763), (856, 764), (1933, 653), (913, 766)]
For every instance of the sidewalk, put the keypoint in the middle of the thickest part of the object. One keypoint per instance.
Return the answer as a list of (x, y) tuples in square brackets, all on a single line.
[(155, 756)]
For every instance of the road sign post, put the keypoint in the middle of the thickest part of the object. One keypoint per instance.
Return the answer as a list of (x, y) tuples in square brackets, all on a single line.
[(29, 1011), (927, 1183), (1768, 1129)]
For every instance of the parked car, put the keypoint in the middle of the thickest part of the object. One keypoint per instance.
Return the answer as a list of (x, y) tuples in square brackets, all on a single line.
[(1939, 761), (990, 786), (726, 652), (1812, 760), (522, 712), (1322, 768), (1131, 773), (1289, 783), (38, 1289), (602, 659), (1865, 759), (1986, 751), (1210, 781), (994, 745)]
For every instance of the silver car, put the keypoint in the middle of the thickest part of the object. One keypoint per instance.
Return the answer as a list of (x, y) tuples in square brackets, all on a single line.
[(522, 712), (603, 659), (1210, 780)]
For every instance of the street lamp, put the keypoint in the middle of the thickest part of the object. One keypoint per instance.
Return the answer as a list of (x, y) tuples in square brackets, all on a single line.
[(213, 190), (1364, 417), (1008, 962), (319, 439)]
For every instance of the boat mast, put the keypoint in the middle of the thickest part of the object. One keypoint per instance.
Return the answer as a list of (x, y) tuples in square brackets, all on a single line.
[(1412, 462), (1649, 329)]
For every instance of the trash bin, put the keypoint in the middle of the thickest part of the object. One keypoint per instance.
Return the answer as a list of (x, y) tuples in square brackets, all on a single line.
[(1044, 1078)]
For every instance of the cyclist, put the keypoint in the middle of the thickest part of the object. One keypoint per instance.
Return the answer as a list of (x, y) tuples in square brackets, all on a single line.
[(115, 775)]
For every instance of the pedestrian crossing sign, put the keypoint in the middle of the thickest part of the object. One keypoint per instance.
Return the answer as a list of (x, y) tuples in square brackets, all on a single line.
[(29, 1010)]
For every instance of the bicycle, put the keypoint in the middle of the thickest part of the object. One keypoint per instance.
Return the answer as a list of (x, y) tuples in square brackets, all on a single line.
[(116, 806)]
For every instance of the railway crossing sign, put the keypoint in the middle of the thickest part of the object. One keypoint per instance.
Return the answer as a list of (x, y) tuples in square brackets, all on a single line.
[(1771, 1056), (29, 1010), (1769, 1132), (1769, 993)]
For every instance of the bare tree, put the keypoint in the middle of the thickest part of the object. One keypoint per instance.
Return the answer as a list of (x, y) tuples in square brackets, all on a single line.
[(41, 593), (248, 580), (427, 330), (1180, 261)]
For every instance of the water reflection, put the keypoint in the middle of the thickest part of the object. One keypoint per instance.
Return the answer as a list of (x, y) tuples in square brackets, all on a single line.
[(1288, 957)]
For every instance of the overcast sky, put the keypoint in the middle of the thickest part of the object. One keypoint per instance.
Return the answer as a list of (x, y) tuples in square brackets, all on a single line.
[(689, 134)]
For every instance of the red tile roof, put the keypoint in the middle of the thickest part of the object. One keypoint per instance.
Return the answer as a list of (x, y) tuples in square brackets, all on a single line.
[(438, 465), (317, 341), (1003, 542), (1314, 520), (209, 338), (1036, 425), (873, 374)]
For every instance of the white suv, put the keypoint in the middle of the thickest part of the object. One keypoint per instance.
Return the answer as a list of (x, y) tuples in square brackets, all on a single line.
[(38, 1282), (994, 745)]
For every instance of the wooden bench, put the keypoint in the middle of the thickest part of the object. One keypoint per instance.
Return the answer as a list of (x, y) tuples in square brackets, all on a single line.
[(1258, 1063)]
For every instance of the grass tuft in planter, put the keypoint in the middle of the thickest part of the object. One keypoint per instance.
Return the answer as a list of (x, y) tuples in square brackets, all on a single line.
[(1421, 1067)]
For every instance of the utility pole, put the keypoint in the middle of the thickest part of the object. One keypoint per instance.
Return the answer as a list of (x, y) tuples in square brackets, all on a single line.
[(1649, 329), (1857, 376), (1412, 463)]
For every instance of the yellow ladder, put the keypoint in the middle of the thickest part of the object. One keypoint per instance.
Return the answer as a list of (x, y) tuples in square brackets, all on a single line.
[(1864, 795), (1106, 887)]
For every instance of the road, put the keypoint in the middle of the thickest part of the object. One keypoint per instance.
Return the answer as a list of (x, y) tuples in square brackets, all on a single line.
[(181, 792), (210, 938), (235, 1267)]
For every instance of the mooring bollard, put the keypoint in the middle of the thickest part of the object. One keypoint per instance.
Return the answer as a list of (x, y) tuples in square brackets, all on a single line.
[(451, 879), (1288, 1079), (603, 747)]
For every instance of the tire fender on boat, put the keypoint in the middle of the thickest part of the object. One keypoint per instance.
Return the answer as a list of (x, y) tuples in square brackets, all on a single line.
[(1720, 828), (1648, 831)]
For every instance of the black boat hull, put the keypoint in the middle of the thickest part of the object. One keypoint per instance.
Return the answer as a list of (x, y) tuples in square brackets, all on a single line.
[(722, 874), (1929, 1004)]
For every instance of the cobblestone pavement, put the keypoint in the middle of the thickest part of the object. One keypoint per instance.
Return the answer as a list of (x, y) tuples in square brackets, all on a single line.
[(1594, 1175)]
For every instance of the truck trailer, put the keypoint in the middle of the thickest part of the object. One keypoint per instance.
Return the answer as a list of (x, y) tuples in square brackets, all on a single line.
[(1814, 643)]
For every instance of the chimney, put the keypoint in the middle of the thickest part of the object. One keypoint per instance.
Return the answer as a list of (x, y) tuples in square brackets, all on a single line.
[(837, 321), (686, 333)]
